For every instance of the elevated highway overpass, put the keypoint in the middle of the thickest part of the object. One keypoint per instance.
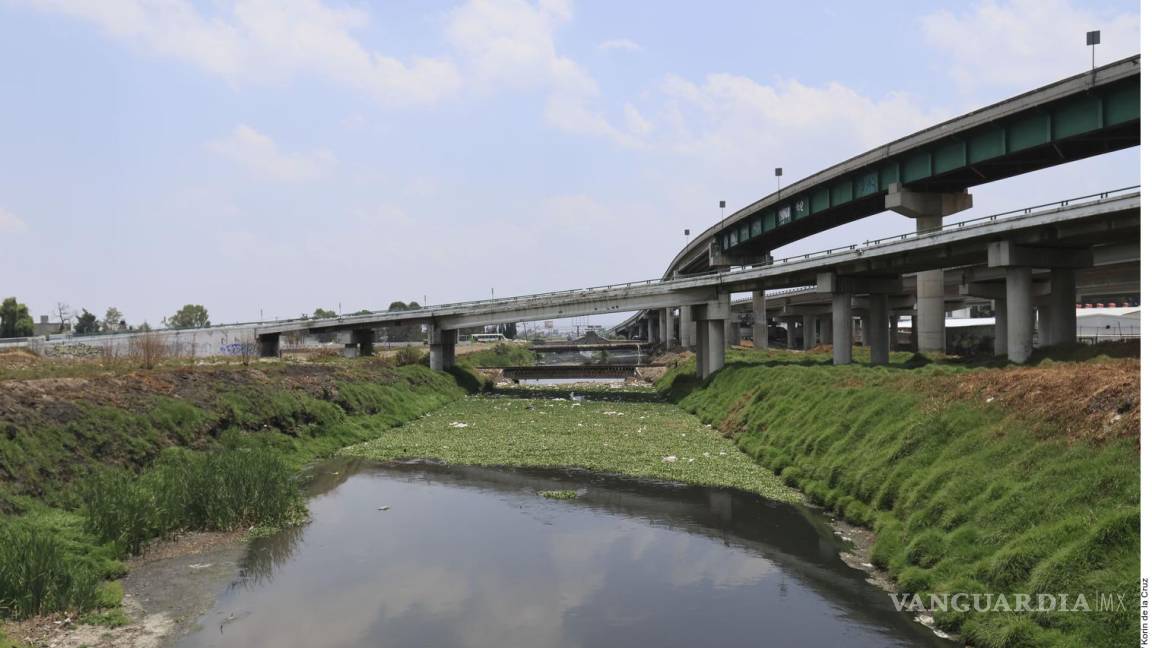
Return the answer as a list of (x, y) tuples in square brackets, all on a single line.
[(924, 176), (1001, 251)]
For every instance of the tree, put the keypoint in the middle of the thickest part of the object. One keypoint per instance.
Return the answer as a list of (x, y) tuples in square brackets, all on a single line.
[(14, 319), (113, 319), (404, 332), (86, 323), (190, 316), (320, 313), (65, 313)]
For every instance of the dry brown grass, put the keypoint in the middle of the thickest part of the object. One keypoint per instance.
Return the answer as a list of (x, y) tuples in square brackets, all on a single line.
[(1088, 400)]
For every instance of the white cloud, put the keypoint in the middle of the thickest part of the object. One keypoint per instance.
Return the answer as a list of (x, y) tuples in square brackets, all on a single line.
[(1024, 43), (260, 155), (620, 44), (266, 41), (511, 43), (10, 223), (747, 126)]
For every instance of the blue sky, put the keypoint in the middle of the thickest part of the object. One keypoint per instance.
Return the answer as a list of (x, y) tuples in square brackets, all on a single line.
[(278, 155)]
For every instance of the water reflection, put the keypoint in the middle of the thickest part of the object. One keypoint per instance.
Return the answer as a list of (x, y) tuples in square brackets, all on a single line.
[(470, 556)]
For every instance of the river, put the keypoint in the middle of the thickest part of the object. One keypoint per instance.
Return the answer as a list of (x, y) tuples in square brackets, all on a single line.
[(469, 556)]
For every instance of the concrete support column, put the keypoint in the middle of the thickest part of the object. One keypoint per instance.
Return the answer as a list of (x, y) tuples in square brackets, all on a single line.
[(879, 325), (687, 327), (653, 329), (1062, 307), (1020, 317), (1043, 326), (930, 298), (733, 332), (715, 345), (441, 348), (269, 345), (914, 337), (841, 328), (893, 331), (809, 331), (669, 328), (1000, 331), (364, 339), (759, 321), (793, 334), (929, 210), (825, 335), (701, 345), (865, 330)]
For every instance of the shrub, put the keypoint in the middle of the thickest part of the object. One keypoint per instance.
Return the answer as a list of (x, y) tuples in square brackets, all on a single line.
[(37, 575), (410, 355), (216, 491)]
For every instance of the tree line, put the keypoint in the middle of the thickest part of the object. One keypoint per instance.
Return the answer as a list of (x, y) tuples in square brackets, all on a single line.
[(16, 321)]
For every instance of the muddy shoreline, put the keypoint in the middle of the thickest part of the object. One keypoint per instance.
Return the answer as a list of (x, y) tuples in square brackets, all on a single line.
[(165, 591)]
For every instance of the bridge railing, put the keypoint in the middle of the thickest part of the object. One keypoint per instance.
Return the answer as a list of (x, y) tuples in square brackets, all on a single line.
[(959, 225)]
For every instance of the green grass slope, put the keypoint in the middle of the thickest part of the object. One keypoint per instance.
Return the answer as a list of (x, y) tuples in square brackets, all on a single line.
[(964, 495)]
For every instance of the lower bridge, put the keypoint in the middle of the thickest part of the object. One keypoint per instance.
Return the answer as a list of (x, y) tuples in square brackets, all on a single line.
[(553, 372)]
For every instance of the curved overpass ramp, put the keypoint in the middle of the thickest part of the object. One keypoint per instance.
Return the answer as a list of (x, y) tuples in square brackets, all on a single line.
[(1078, 117)]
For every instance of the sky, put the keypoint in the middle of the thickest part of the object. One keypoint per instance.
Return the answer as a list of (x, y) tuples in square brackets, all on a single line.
[(268, 157)]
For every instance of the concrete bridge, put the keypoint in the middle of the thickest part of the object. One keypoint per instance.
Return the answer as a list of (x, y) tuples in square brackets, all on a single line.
[(1024, 261), (1004, 255), (925, 176)]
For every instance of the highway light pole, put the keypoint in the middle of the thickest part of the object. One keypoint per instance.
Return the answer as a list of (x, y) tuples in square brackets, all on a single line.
[(779, 172)]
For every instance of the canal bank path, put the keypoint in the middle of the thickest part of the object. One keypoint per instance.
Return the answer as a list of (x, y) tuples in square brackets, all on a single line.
[(625, 430)]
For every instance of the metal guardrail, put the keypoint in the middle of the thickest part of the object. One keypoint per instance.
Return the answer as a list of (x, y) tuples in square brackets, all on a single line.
[(959, 225)]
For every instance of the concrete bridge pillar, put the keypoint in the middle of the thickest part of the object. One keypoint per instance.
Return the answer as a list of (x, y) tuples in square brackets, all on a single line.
[(687, 327), (269, 344), (669, 327), (653, 328), (809, 331), (711, 320), (716, 345), (1000, 330), (1062, 306), (1057, 322), (441, 348), (929, 210), (841, 328), (1043, 325), (824, 335), (1019, 314), (759, 321), (793, 333), (364, 341), (733, 330), (893, 331), (702, 346), (865, 330), (878, 328)]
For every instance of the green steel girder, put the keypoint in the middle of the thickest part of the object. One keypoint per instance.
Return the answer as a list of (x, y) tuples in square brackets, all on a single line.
[(1103, 119)]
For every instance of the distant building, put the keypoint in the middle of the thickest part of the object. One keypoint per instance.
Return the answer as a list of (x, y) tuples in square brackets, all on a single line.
[(44, 327)]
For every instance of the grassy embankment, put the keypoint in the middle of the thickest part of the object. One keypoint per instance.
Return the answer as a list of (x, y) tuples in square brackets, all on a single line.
[(94, 466), (501, 354), (1000, 480), (621, 431)]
